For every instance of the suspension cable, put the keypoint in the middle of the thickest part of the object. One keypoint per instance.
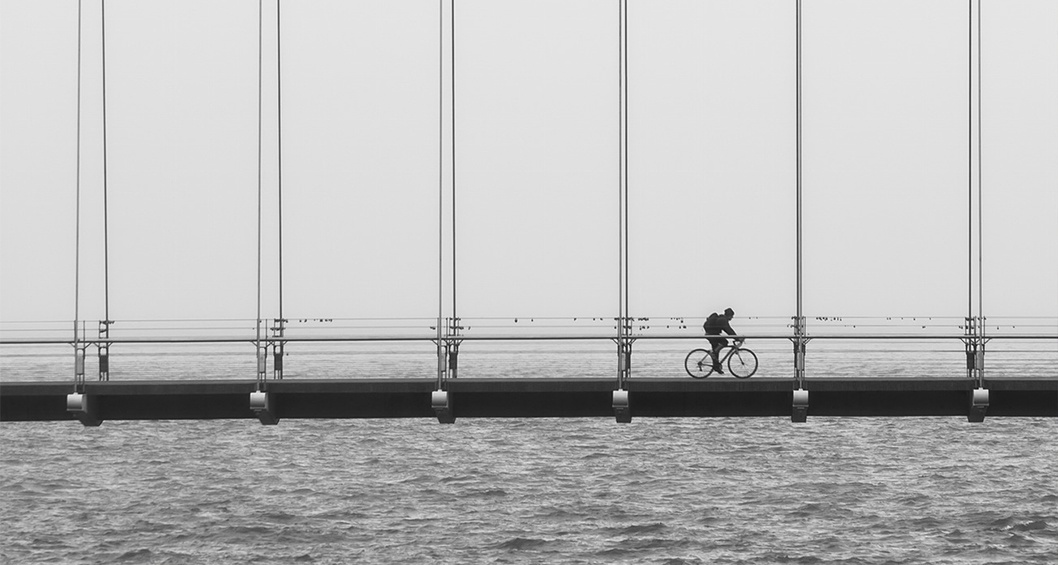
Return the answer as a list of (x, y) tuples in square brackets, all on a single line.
[(453, 55), (78, 352), (623, 327), (106, 226), (799, 323), (800, 311), (969, 161), (620, 160), (625, 109), (622, 157), (279, 149), (440, 181), (260, 90), (980, 180), (77, 184)]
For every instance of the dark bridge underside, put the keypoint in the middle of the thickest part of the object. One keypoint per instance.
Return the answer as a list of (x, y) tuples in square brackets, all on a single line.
[(525, 398)]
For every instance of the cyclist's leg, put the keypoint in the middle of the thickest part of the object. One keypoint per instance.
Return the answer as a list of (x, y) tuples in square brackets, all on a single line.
[(723, 343), (717, 343)]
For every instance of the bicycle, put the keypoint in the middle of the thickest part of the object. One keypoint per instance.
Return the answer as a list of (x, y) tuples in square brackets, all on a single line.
[(741, 362)]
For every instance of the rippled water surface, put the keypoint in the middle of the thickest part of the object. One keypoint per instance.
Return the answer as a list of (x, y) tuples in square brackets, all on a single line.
[(526, 491), (763, 490)]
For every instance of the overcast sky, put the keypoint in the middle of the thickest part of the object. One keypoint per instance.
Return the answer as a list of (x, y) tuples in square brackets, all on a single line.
[(712, 168)]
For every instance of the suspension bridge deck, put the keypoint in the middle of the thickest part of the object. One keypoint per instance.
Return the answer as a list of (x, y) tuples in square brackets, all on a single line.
[(524, 398)]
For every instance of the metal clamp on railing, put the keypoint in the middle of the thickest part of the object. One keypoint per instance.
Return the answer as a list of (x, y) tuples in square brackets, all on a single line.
[(454, 341), (799, 340), (104, 349), (278, 343), (440, 401), (624, 341), (453, 359), (800, 406), (978, 405), (975, 340), (448, 342), (622, 407), (277, 361), (78, 367), (970, 342), (262, 364)]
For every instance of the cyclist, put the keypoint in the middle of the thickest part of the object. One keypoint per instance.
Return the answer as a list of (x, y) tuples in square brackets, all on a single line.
[(713, 325)]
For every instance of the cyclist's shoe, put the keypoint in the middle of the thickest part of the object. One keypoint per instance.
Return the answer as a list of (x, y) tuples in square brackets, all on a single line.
[(718, 369)]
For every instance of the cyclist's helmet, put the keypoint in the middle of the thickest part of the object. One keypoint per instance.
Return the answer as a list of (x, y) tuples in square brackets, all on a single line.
[(729, 313)]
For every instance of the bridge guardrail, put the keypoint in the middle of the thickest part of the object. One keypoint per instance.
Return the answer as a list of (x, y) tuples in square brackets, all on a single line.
[(838, 346)]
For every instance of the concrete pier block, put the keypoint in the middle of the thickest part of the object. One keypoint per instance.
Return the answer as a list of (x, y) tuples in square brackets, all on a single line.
[(622, 407), (978, 405), (800, 406), (83, 407), (263, 405), (440, 400)]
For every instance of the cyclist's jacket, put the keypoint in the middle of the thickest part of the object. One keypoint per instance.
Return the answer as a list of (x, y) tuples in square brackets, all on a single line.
[(716, 323)]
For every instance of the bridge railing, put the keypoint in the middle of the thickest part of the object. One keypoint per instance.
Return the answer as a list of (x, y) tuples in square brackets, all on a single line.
[(539, 347)]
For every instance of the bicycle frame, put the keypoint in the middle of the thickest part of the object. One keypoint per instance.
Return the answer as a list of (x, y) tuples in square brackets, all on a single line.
[(700, 363)]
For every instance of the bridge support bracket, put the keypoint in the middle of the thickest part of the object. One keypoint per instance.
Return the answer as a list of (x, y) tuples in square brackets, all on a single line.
[(800, 406), (978, 405), (442, 406), (263, 405), (622, 407), (83, 407)]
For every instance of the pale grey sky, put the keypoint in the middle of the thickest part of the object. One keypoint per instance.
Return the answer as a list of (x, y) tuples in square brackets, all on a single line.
[(711, 158)]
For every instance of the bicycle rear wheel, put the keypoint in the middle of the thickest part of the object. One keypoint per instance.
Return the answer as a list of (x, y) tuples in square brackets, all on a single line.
[(742, 363), (699, 363)]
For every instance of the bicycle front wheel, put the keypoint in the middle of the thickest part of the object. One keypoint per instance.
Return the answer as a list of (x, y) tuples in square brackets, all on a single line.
[(742, 363), (699, 363)]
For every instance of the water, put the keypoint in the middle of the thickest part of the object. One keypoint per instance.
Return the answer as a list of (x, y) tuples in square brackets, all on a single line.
[(496, 491), (663, 491)]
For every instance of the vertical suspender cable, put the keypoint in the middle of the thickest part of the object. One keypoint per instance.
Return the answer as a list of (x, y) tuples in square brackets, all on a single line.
[(800, 311), (106, 227), (623, 343), (453, 54), (440, 182), (77, 184), (104, 329), (620, 169), (969, 161), (279, 152), (625, 258), (800, 305), (260, 88), (980, 182), (77, 211)]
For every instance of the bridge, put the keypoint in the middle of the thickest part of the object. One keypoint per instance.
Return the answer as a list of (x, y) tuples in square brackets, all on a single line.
[(544, 368), (623, 364), (526, 398)]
